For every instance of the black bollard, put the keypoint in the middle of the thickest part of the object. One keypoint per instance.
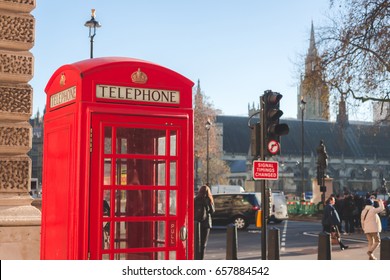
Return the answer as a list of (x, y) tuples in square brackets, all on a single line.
[(273, 244), (231, 242), (324, 246), (197, 241), (385, 248)]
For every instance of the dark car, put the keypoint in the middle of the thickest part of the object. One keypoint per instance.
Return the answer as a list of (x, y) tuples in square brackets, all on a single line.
[(239, 209)]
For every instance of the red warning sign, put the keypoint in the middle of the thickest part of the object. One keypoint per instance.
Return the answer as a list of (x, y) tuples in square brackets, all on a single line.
[(265, 170)]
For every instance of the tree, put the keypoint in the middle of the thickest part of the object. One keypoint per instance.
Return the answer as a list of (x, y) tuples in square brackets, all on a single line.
[(204, 111), (355, 48)]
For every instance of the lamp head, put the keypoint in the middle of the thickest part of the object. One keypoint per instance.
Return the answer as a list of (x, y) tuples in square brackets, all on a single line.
[(92, 23)]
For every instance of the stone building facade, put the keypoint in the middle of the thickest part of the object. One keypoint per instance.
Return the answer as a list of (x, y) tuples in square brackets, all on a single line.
[(19, 221)]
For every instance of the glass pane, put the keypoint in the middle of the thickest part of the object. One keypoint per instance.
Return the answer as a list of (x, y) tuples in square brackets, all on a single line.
[(161, 174), (135, 256), (140, 203), (173, 143), (172, 255), (172, 174), (161, 255), (139, 141), (139, 234), (106, 235), (106, 203), (172, 202), (161, 146), (107, 172), (161, 203), (161, 234), (146, 172), (107, 140), (124, 169)]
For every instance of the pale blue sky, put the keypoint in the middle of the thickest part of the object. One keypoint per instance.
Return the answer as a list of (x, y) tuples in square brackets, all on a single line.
[(237, 49)]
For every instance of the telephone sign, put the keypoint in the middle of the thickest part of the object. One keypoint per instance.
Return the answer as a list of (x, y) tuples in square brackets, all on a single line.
[(265, 170)]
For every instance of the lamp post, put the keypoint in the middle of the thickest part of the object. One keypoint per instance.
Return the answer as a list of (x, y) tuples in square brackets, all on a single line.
[(208, 126), (303, 107), (92, 24)]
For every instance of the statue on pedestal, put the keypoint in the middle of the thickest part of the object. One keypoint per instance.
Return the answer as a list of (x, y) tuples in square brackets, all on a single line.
[(322, 163)]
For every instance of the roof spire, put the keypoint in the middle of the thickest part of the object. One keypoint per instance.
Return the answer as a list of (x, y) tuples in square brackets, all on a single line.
[(198, 87), (312, 46)]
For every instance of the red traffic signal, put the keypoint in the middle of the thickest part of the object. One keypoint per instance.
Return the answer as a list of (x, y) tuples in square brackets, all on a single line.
[(271, 115)]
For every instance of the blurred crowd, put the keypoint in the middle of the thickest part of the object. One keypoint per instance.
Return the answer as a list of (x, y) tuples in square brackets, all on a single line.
[(349, 207)]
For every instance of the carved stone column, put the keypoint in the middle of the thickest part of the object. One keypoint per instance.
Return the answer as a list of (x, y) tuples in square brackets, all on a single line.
[(19, 221)]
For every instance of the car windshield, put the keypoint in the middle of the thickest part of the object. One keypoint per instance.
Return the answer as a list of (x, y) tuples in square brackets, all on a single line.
[(258, 198)]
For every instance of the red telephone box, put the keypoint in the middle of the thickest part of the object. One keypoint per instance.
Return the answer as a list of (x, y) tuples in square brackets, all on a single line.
[(118, 162)]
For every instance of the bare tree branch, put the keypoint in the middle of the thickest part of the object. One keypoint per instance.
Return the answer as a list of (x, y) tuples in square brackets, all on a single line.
[(356, 50)]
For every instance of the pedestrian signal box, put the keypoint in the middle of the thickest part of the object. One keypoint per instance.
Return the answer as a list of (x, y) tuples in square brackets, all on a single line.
[(118, 162)]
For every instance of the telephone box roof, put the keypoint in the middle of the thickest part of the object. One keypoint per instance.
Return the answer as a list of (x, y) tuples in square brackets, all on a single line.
[(85, 67)]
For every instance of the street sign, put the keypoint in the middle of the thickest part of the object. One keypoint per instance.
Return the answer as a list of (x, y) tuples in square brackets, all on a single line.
[(273, 147), (265, 170)]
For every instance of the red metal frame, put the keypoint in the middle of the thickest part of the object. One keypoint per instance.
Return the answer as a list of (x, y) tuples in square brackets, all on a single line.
[(148, 190)]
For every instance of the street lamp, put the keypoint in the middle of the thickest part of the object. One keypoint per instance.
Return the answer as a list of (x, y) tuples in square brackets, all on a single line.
[(208, 126), (92, 24), (303, 107)]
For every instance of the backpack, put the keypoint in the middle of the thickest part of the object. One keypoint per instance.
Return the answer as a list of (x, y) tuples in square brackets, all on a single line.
[(200, 210)]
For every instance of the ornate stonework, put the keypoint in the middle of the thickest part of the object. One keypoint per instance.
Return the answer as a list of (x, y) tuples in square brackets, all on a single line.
[(24, 6), (17, 31), (16, 66), (15, 101), (15, 138), (15, 174)]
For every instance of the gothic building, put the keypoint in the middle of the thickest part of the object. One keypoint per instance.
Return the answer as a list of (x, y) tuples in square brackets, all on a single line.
[(359, 156), (313, 89), (36, 152)]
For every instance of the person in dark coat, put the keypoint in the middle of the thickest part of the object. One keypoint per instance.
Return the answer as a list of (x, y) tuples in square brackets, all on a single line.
[(331, 220), (348, 214), (204, 200), (359, 203), (339, 204)]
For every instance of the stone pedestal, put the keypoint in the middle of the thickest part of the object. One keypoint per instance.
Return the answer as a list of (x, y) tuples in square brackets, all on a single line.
[(316, 189), (19, 220), (19, 227)]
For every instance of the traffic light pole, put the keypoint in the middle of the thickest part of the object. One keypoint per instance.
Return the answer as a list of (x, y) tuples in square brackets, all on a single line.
[(270, 133), (264, 202)]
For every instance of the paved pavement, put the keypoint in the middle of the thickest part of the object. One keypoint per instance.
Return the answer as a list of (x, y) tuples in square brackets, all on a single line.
[(357, 250), (356, 241)]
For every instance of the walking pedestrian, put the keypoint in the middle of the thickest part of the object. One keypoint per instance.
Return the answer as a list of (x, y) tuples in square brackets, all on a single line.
[(203, 209), (331, 221), (348, 214), (371, 225), (339, 204)]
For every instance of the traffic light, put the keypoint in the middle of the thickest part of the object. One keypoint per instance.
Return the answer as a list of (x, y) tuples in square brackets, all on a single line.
[(272, 128), (255, 140)]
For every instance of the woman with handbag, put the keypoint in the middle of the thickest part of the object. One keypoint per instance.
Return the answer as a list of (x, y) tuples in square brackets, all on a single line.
[(203, 209), (331, 221)]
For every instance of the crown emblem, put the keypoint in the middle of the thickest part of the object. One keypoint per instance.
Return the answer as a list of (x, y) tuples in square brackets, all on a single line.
[(62, 79), (139, 77)]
